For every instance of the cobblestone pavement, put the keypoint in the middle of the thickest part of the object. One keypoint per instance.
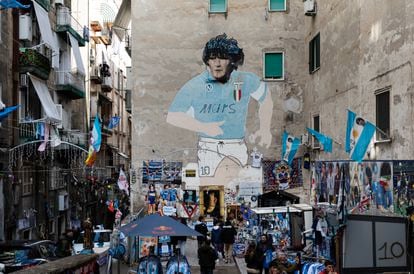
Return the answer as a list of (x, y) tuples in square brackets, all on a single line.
[(191, 254)]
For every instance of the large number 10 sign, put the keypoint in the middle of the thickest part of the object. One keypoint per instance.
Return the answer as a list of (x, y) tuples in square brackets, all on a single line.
[(375, 244)]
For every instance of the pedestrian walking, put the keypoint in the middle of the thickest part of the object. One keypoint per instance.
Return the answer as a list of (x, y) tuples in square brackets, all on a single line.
[(216, 238), (253, 258), (207, 257), (228, 235), (201, 227)]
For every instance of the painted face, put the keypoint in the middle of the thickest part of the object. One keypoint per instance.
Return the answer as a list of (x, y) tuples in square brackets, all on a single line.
[(218, 67)]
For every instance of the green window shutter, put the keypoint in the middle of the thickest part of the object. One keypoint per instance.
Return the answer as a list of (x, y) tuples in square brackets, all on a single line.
[(314, 54), (273, 65), (218, 6), (275, 5)]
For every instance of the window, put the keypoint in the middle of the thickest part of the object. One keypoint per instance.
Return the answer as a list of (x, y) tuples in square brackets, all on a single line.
[(27, 181), (277, 5), (382, 98), (314, 54), (316, 127), (217, 6), (273, 65)]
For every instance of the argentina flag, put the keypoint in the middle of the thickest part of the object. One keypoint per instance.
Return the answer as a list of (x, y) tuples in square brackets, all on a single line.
[(323, 139), (290, 145), (359, 133)]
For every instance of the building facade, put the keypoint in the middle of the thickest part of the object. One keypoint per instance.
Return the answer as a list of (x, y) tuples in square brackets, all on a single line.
[(46, 186), (317, 59)]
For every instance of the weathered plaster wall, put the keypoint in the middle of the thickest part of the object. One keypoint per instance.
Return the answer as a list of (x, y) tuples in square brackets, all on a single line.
[(365, 46)]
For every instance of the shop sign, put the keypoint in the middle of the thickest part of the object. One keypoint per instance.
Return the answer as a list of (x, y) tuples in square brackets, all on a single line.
[(375, 244), (169, 210)]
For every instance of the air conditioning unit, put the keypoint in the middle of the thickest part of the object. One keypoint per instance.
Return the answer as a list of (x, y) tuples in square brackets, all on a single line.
[(25, 27), (60, 2), (309, 7), (95, 72), (59, 109), (24, 80), (45, 50)]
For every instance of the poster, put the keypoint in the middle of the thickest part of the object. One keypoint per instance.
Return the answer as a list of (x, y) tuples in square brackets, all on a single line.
[(278, 175), (212, 201), (144, 245), (360, 187), (159, 171)]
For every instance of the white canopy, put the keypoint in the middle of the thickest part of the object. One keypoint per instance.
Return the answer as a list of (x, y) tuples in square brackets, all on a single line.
[(44, 26), (46, 100), (77, 54)]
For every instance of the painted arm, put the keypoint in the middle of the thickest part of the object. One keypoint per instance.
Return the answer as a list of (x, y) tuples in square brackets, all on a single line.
[(265, 119), (183, 120)]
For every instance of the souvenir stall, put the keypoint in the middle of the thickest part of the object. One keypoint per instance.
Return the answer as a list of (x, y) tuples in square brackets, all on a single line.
[(360, 221), (284, 224)]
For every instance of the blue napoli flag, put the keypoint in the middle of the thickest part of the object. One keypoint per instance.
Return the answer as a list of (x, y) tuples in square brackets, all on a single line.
[(323, 139), (359, 133), (9, 4), (114, 122), (290, 145), (7, 110)]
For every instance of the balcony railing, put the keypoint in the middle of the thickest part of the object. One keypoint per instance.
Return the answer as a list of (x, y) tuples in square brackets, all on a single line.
[(44, 3), (65, 22), (30, 60), (72, 83)]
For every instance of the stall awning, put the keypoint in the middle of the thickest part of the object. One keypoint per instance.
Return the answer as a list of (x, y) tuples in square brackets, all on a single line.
[(44, 26), (274, 209), (77, 54), (122, 19), (46, 100)]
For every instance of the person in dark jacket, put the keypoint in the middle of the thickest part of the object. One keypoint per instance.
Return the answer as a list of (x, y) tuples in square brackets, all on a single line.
[(253, 258), (216, 237), (265, 247), (207, 257), (201, 227), (228, 235)]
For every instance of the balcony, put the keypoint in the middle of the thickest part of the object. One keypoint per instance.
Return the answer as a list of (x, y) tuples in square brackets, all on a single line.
[(44, 3), (70, 84), (66, 23), (32, 61), (128, 44)]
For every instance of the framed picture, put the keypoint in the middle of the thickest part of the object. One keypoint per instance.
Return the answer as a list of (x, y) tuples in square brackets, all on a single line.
[(212, 201)]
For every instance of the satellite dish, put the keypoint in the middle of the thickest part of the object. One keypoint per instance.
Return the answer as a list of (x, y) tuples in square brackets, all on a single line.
[(292, 104)]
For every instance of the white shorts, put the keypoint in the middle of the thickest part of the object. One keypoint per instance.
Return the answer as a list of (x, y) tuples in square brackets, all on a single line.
[(212, 151)]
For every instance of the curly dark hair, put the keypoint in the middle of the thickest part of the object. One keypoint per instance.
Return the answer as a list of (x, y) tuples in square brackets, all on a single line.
[(225, 48)]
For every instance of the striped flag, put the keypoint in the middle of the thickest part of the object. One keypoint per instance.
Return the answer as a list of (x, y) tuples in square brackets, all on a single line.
[(323, 139), (359, 133), (237, 92), (290, 145), (123, 182)]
